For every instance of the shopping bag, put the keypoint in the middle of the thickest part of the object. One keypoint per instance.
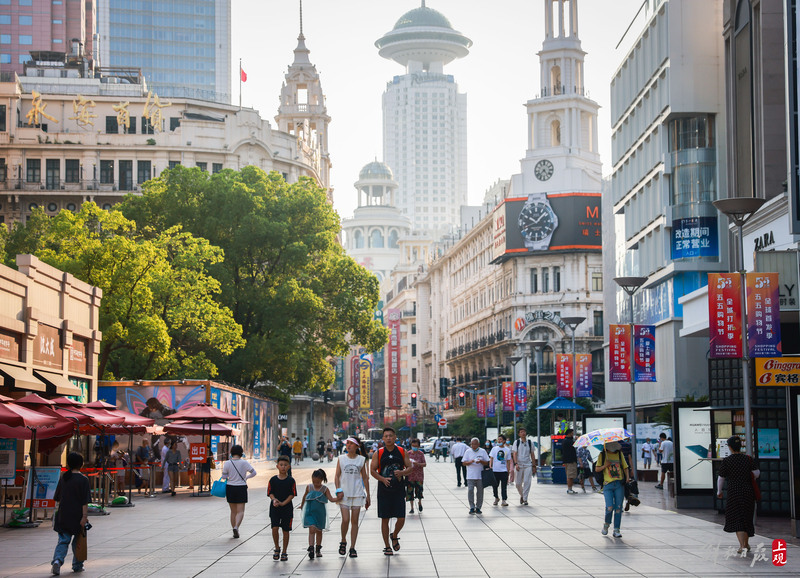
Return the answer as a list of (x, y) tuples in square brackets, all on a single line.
[(81, 546), (487, 477), (218, 488)]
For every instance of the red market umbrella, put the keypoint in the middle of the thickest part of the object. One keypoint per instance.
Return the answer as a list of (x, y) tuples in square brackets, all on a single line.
[(188, 428), (100, 404), (4, 399), (132, 424), (61, 432)]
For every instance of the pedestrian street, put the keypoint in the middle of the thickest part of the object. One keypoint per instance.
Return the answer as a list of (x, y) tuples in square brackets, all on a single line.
[(556, 535)]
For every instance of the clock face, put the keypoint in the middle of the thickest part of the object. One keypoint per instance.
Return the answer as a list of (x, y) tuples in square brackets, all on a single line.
[(536, 221), (543, 170)]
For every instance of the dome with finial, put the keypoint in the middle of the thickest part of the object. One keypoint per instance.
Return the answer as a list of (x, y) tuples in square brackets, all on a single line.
[(376, 170), (423, 16)]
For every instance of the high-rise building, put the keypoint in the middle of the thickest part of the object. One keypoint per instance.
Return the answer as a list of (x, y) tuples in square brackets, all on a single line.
[(44, 26), (425, 119), (183, 47)]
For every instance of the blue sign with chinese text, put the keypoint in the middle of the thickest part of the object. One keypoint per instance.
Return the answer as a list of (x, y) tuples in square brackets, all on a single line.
[(695, 237)]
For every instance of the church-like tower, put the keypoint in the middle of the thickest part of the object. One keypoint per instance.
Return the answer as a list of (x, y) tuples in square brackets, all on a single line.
[(302, 111)]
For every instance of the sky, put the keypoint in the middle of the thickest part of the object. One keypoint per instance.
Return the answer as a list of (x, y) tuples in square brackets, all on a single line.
[(499, 75)]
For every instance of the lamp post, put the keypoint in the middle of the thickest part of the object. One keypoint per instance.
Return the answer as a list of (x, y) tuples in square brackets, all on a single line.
[(513, 360), (497, 371), (485, 379), (537, 347), (572, 323), (630, 285), (739, 210)]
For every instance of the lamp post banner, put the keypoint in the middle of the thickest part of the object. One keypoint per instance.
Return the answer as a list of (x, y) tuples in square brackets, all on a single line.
[(393, 365), (619, 355), (521, 396), (508, 396), (763, 315), (491, 405), (365, 389), (644, 345), (481, 405), (583, 375), (725, 314), (564, 375), (352, 391)]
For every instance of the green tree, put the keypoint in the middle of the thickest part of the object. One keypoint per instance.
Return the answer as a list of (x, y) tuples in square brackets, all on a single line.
[(547, 416), (159, 315), (299, 298), (467, 425)]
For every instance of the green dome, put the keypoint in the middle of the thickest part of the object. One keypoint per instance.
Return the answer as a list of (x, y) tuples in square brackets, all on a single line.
[(376, 170), (423, 16)]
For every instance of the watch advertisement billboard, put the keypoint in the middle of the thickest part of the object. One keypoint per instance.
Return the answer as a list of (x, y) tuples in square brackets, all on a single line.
[(694, 431), (619, 358), (644, 344), (564, 375), (547, 222), (695, 237), (763, 315), (725, 314)]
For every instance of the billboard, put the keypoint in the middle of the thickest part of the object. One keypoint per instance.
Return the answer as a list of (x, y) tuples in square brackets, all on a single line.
[(695, 237), (763, 315), (365, 382), (393, 358), (546, 222), (725, 314)]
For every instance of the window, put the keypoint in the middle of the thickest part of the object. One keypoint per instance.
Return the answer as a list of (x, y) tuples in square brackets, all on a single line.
[(556, 279), (56, 21), (413, 350), (376, 240), (597, 281), (25, 39), (3, 171), (107, 172), (52, 207), (413, 329), (545, 280), (5, 39), (3, 118), (173, 164), (111, 125), (34, 171), (72, 170), (71, 207), (5, 59), (413, 375), (125, 175), (174, 122), (25, 20), (5, 18), (52, 173), (25, 2), (147, 128), (57, 41), (216, 167), (534, 281), (23, 58), (143, 169), (202, 166), (131, 129), (358, 240), (598, 323)]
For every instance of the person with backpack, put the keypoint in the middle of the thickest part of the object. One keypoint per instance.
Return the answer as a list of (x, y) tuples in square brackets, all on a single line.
[(524, 468), (616, 473), (389, 464)]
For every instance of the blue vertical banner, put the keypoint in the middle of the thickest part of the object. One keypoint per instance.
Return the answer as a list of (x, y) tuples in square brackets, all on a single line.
[(644, 353), (521, 396), (215, 395), (257, 429)]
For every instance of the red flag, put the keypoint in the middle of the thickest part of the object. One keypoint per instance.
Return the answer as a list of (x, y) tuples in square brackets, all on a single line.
[(243, 74)]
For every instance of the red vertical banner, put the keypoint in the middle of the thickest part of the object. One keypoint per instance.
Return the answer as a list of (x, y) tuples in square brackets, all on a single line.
[(481, 405), (491, 404), (393, 357), (564, 375), (725, 314), (644, 353), (763, 315), (583, 375), (508, 396), (619, 353)]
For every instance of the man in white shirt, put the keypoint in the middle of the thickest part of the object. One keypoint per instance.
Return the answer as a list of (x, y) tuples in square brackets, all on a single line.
[(647, 454), (457, 452), (666, 449), (475, 458), (522, 452)]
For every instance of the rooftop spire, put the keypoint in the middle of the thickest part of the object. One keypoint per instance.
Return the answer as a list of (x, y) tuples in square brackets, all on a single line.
[(423, 3), (301, 16)]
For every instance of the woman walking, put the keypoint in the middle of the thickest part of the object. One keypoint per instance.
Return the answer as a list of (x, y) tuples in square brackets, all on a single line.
[(352, 482), (72, 495), (237, 471), (615, 475), (739, 469)]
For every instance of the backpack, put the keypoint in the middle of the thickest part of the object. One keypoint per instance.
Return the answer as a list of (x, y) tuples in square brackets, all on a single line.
[(600, 477), (530, 447)]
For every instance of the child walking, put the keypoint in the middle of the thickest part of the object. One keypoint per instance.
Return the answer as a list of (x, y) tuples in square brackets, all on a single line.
[(281, 490), (315, 515)]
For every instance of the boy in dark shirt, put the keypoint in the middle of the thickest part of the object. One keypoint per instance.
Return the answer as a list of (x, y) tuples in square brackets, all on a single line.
[(281, 490)]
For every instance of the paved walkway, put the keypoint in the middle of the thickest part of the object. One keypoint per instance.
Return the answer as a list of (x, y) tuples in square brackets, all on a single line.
[(557, 535)]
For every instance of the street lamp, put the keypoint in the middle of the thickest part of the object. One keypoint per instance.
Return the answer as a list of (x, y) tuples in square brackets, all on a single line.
[(630, 285), (485, 379), (538, 345), (572, 323), (739, 210), (498, 371), (513, 360)]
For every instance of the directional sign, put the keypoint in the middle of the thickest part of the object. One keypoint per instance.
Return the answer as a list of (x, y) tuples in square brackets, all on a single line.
[(442, 422), (437, 417)]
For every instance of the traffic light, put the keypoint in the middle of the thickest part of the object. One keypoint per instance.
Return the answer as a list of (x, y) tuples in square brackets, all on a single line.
[(413, 400), (442, 387), (326, 395), (462, 399)]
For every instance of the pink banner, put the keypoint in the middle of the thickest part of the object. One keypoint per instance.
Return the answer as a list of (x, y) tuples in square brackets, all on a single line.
[(725, 314), (644, 354), (508, 396), (583, 375), (481, 405), (763, 315), (619, 353), (393, 358), (564, 375)]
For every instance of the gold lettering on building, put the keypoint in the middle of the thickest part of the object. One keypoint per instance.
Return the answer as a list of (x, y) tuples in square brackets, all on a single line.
[(83, 109), (152, 111), (37, 109), (123, 116)]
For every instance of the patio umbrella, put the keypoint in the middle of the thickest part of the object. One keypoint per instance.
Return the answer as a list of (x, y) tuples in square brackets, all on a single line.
[(4, 399), (101, 424), (133, 424), (560, 403), (66, 427), (187, 428), (602, 436)]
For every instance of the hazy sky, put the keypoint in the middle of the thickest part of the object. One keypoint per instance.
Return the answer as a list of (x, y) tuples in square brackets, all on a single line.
[(499, 75)]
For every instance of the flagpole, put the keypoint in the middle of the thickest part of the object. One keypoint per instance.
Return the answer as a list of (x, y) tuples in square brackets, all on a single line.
[(240, 84)]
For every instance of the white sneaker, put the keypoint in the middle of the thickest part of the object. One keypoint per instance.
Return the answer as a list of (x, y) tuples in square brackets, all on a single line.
[(504, 503), (617, 533), (604, 531)]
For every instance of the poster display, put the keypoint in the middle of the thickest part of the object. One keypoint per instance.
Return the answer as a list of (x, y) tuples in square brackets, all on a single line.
[(481, 405), (725, 314), (521, 396), (256, 429), (491, 405), (583, 375), (564, 375), (44, 481), (694, 429), (769, 447), (619, 358), (763, 315), (8, 459), (694, 237), (508, 396), (393, 358), (644, 346)]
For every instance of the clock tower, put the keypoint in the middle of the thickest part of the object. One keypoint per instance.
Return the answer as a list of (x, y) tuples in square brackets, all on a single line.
[(562, 155)]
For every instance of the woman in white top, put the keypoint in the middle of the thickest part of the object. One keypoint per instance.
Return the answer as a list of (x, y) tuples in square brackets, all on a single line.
[(351, 479), (237, 471)]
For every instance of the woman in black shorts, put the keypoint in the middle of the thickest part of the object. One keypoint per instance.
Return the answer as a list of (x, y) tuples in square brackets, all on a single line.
[(237, 471)]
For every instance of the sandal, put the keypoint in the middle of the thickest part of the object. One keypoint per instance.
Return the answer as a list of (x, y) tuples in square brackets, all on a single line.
[(276, 554), (343, 548), (353, 553), (284, 557), (388, 552), (395, 542)]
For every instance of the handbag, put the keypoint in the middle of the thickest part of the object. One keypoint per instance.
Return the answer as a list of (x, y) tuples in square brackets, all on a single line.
[(81, 554), (218, 488), (487, 477), (754, 483)]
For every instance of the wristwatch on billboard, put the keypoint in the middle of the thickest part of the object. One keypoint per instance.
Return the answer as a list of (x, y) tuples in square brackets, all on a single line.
[(537, 222)]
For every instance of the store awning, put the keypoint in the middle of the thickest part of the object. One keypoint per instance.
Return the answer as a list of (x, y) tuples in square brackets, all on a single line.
[(19, 378), (63, 385)]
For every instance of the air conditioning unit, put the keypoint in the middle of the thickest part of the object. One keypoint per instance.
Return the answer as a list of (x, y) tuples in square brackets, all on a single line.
[(63, 187)]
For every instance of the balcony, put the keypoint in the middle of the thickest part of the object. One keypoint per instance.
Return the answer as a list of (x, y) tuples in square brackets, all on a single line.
[(53, 186)]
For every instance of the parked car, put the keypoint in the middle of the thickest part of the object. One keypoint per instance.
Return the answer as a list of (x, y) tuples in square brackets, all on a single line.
[(427, 446)]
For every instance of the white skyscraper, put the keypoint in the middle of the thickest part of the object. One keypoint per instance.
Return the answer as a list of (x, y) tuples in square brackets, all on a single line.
[(425, 119)]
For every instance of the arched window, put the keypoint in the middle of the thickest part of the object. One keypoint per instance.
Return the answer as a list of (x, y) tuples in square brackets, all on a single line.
[(555, 133), (376, 239), (358, 240), (393, 236), (555, 79)]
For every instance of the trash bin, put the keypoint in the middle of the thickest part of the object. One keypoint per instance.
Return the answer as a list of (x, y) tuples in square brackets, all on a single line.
[(544, 475), (559, 475)]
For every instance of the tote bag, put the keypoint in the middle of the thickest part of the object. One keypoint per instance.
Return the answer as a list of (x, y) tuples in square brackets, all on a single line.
[(218, 488)]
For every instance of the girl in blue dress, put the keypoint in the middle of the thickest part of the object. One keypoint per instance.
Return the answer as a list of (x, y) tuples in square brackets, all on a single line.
[(315, 514)]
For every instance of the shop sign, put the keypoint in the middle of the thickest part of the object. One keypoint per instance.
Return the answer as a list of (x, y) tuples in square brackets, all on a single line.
[(564, 375), (725, 314), (77, 356), (365, 382), (781, 371), (198, 453), (583, 375), (9, 345), (393, 350), (694, 237), (508, 396), (47, 350), (644, 345)]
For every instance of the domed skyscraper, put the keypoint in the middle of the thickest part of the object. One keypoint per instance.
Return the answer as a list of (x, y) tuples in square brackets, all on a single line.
[(425, 119), (372, 234)]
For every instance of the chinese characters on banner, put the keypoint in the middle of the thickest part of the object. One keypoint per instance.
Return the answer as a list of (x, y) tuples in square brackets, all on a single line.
[(393, 371), (619, 358), (564, 375), (763, 315), (365, 382), (352, 390), (583, 375), (197, 453), (508, 396), (408, 419), (725, 314), (694, 237), (481, 403), (521, 396), (491, 405), (644, 355)]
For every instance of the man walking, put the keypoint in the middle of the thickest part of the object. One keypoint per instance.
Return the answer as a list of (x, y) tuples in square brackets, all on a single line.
[(459, 448), (666, 449), (475, 458), (389, 465), (569, 458), (647, 454), (586, 468), (524, 467)]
